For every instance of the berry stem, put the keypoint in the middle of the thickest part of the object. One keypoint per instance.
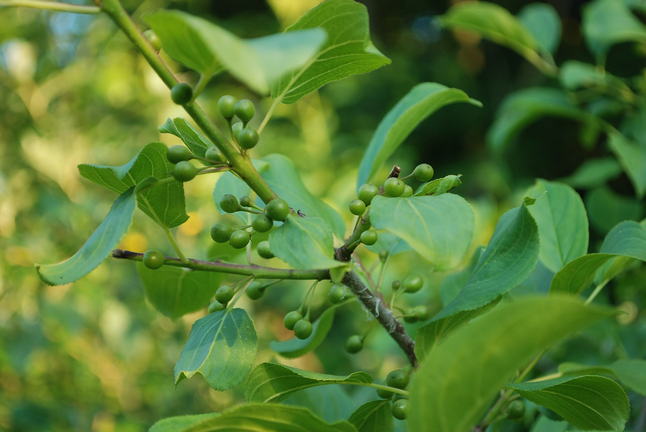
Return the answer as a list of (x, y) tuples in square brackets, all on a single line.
[(174, 244)]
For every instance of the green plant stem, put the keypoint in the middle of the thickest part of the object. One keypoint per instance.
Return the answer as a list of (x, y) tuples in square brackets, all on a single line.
[(173, 242), (596, 291), (52, 6), (380, 387), (344, 252)]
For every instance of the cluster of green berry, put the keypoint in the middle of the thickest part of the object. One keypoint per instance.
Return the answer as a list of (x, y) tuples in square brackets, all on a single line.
[(243, 109), (399, 379), (239, 237), (223, 295), (183, 169)]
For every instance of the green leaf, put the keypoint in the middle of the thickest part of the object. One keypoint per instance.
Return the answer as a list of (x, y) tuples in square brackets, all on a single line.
[(304, 242), (606, 208), (526, 106), (460, 377), (272, 382), (206, 48), (630, 372), (545, 424), (96, 248), (440, 185), (608, 22), (633, 158), (180, 423), (509, 258), (589, 402), (439, 228), (542, 21), (373, 416), (329, 402), (183, 130), (422, 101), (627, 239), (176, 291), (347, 51), (259, 417), (593, 173), (221, 347), (562, 223), (575, 74)]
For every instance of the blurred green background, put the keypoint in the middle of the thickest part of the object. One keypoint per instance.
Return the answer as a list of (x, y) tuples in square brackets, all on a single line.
[(94, 356)]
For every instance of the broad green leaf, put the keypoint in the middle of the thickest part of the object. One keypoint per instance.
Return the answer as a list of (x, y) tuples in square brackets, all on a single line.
[(183, 130), (180, 423), (347, 51), (627, 239), (176, 291), (562, 223), (632, 157), (495, 23), (593, 173), (373, 416), (575, 74), (96, 248), (453, 283), (606, 208), (545, 424), (422, 101), (439, 228), (440, 185), (329, 402), (630, 372), (304, 242), (526, 106), (221, 347), (206, 47), (509, 258), (608, 22), (272, 382), (163, 202), (458, 380), (589, 402), (390, 244), (542, 21), (258, 417)]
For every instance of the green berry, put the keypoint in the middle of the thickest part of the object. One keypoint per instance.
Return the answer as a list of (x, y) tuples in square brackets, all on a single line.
[(178, 153), (337, 293), (245, 110), (408, 191), (153, 259), (224, 293), (384, 394), (216, 306), (264, 250), (399, 409), (262, 223), (423, 172), (354, 344), (184, 171), (413, 284), (239, 239), (291, 318), (277, 209), (515, 410), (395, 285), (410, 316), (397, 378), (226, 106), (153, 39), (247, 138), (421, 312), (236, 128), (214, 155), (357, 207), (393, 187), (229, 203), (369, 237), (303, 328), (221, 232), (255, 290), (181, 93), (245, 201), (367, 192)]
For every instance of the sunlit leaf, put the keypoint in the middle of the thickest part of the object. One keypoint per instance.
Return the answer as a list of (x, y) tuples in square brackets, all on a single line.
[(542, 21), (608, 22), (183, 130)]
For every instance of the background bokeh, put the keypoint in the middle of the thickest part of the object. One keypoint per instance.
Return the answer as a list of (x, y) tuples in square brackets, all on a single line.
[(95, 355)]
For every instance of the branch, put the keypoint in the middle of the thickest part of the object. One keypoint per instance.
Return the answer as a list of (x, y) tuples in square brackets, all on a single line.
[(49, 5)]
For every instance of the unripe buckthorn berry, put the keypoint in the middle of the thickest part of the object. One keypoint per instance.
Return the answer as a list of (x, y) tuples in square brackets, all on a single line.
[(337, 293), (408, 191), (264, 250), (354, 344), (393, 187), (255, 290), (153, 259), (181, 93), (262, 223), (178, 153), (395, 285), (303, 328), (239, 239), (245, 201), (421, 312), (397, 378), (247, 138), (367, 192), (214, 155), (291, 318), (277, 209), (423, 172), (229, 203), (226, 106), (224, 293), (357, 207), (413, 284), (216, 306), (410, 316), (515, 410), (221, 232), (245, 110), (236, 128), (184, 171), (153, 39), (369, 237), (400, 408)]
